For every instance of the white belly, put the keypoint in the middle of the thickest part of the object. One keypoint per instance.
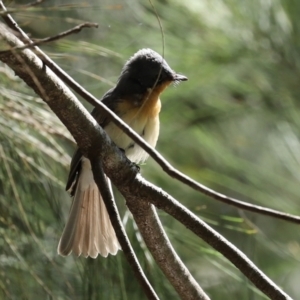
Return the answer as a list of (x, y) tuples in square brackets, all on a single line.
[(147, 128)]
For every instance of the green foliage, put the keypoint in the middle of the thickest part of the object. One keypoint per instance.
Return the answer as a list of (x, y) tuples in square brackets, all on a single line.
[(233, 126)]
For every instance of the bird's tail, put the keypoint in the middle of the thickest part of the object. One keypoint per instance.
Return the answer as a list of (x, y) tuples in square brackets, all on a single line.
[(88, 231)]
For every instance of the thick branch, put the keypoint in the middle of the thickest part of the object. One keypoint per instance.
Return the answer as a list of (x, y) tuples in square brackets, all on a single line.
[(160, 247)]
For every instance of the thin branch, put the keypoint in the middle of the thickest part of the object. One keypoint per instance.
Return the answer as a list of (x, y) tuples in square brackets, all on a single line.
[(116, 221), (15, 250), (6, 12), (35, 3), (59, 36), (160, 27), (166, 166)]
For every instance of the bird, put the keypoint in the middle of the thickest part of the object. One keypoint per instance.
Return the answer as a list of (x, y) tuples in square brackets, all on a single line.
[(136, 100)]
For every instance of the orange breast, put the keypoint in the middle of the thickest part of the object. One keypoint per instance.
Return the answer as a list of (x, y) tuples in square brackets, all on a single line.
[(142, 117), (149, 107)]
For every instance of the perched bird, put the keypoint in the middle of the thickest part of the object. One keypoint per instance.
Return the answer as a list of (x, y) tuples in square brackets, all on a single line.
[(135, 99)]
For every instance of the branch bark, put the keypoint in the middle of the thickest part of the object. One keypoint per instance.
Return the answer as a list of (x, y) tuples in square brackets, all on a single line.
[(160, 247)]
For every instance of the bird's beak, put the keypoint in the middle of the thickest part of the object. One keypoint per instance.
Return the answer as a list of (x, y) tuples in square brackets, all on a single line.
[(178, 77)]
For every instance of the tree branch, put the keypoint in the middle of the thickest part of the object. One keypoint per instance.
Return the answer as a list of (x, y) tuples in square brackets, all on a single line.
[(59, 36), (35, 3)]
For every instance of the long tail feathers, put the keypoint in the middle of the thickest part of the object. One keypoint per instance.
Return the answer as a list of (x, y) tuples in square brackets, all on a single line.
[(88, 231)]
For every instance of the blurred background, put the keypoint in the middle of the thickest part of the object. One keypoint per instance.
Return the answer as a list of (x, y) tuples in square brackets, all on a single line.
[(234, 126)]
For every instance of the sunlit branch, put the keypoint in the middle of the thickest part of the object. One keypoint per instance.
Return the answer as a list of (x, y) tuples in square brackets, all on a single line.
[(59, 36), (34, 3)]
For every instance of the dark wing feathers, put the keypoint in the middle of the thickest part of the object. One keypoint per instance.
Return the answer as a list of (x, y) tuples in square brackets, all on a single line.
[(110, 100), (74, 169)]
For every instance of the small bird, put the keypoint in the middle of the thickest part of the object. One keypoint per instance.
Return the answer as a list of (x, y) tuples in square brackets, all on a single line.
[(135, 99)]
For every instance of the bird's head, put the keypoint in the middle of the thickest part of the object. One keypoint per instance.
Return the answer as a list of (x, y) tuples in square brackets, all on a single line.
[(146, 70)]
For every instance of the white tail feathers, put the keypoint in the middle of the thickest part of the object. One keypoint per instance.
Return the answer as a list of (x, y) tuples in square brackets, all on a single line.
[(88, 231)]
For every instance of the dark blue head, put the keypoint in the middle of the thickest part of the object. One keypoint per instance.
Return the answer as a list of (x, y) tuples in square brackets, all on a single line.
[(145, 70)]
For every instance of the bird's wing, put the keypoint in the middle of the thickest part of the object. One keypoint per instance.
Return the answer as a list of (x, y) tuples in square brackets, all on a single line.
[(110, 101)]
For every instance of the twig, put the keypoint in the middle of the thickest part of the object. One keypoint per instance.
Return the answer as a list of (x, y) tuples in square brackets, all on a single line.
[(35, 3), (167, 167), (112, 209), (160, 27), (6, 12), (59, 36)]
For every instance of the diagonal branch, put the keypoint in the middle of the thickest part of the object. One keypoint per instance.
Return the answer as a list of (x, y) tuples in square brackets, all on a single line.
[(31, 4), (59, 36)]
